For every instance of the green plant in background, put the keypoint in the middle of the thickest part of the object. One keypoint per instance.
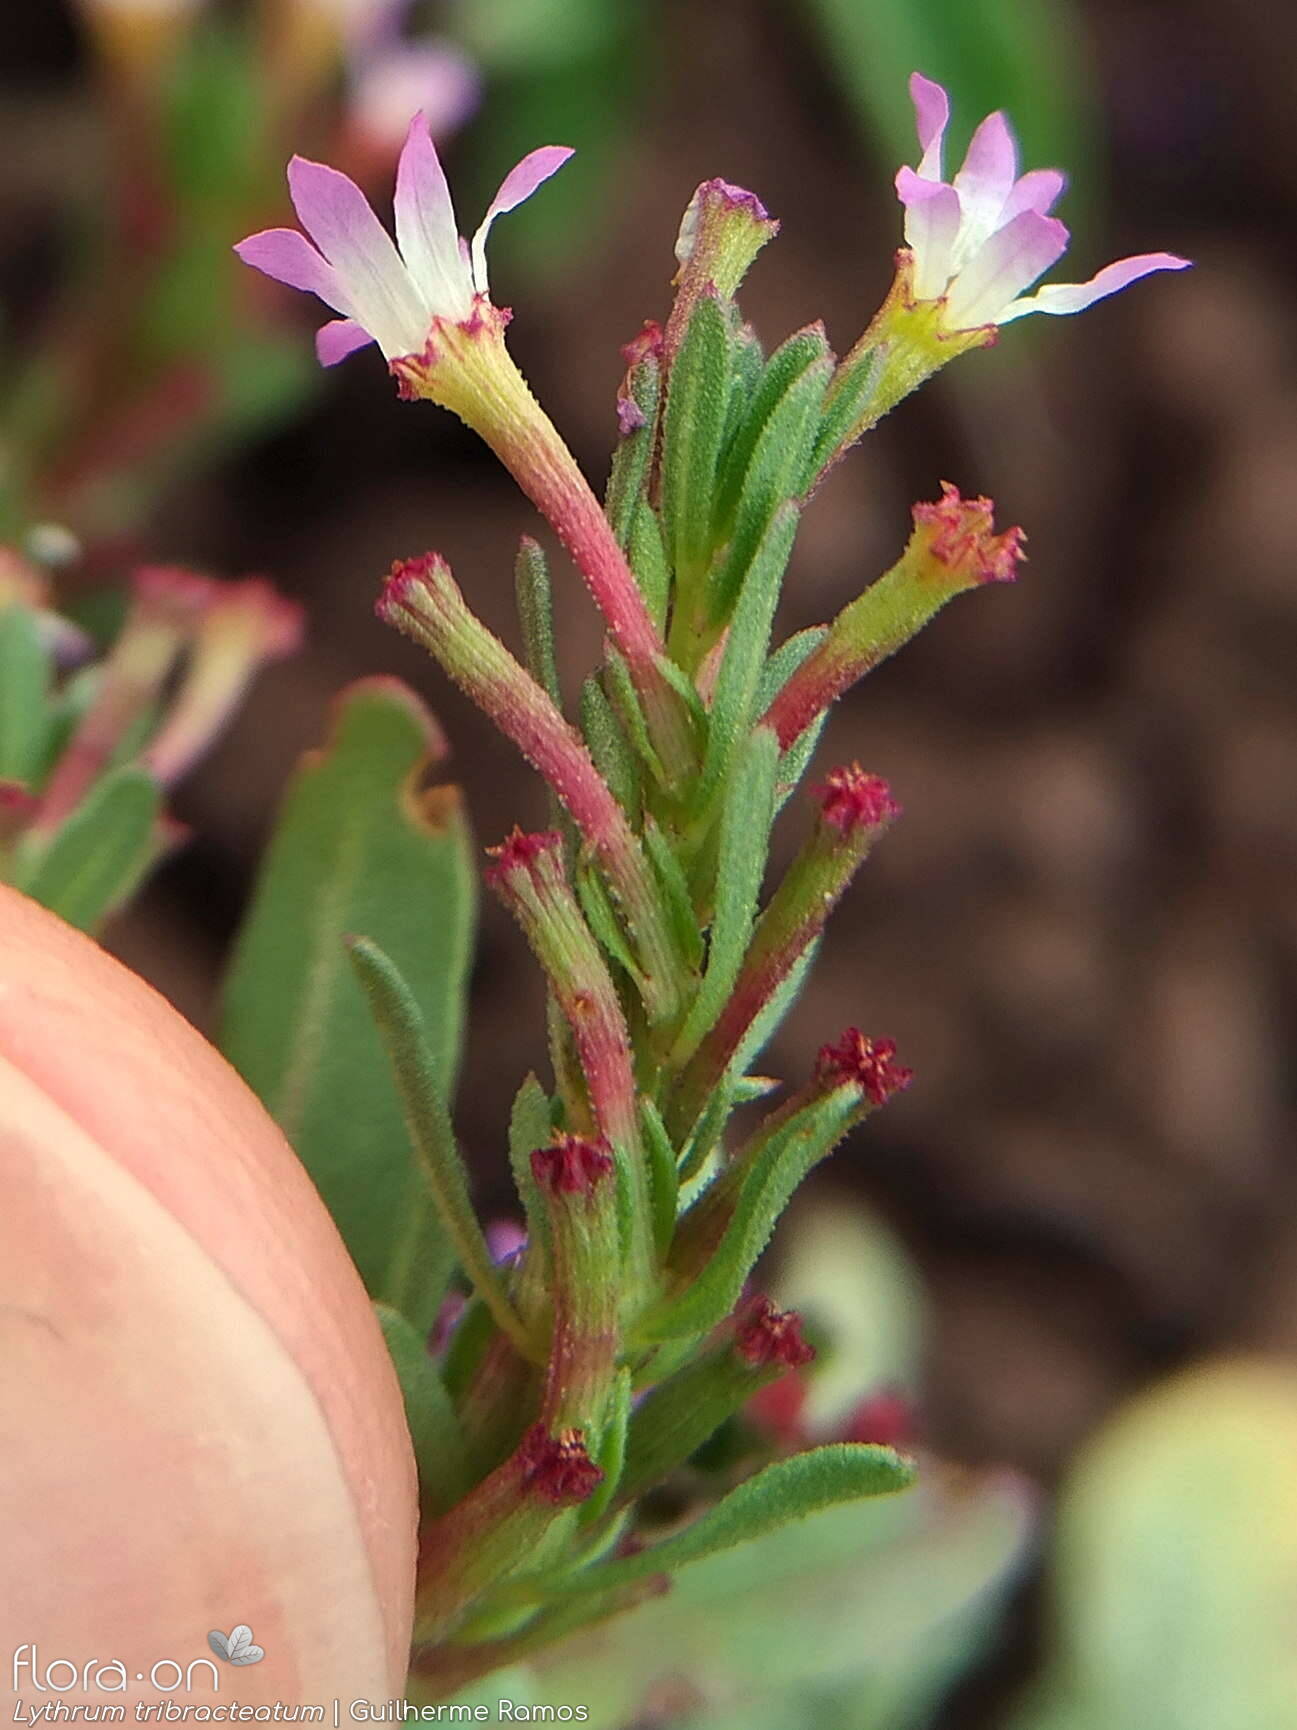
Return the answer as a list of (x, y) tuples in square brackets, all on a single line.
[(88, 748)]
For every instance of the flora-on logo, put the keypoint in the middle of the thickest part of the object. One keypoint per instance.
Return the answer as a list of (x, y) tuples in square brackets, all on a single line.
[(237, 1646)]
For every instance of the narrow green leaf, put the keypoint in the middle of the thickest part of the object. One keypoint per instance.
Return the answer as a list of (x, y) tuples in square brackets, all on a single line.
[(796, 759), (648, 560), (632, 461), (622, 695), (773, 476), (612, 1449), (783, 1492), (697, 398), (445, 1473), (747, 362), (362, 847), (25, 679), (536, 616), (99, 855), (530, 1127), (781, 372), (734, 703), (844, 407), (785, 661), (746, 815), (601, 916), (427, 1117), (608, 744), (779, 1167), (675, 891), (664, 1179)]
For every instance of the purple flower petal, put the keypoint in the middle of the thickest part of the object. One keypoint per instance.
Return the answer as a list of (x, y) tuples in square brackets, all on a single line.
[(1008, 262), (931, 227), (288, 257), (339, 338), (336, 214), (519, 184), (986, 180), (1064, 297), (931, 117), (426, 227), (1040, 190)]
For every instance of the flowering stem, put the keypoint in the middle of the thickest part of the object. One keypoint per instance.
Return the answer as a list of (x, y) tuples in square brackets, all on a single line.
[(422, 599), (951, 549), (468, 369), (529, 875), (855, 809)]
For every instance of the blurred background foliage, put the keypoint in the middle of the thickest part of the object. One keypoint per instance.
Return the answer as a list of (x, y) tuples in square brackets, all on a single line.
[(1084, 933)]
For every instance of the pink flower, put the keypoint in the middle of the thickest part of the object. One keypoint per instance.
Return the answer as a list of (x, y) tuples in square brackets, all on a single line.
[(981, 240), (200, 1426), (388, 296)]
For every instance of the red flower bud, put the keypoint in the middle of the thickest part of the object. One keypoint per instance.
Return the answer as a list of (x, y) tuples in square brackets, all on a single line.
[(869, 1064), (766, 1335)]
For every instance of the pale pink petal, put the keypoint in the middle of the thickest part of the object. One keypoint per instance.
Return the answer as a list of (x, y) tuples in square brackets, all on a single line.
[(931, 226), (339, 338), (931, 117), (986, 180), (1063, 297), (426, 227), (1008, 262), (288, 257), (336, 215), (519, 184), (1039, 189)]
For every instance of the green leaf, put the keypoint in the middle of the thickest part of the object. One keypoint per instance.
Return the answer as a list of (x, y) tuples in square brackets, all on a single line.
[(427, 1118), (601, 917), (784, 662), (25, 678), (632, 461), (360, 847), (746, 816), (775, 1173), (693, 425), (536, 616), (664, 1180), (648, 560), (786, 1491), (735, 701), (613, 756), (530, 1127), (675, 893), (1176, 1565), (100, 853), (623, 697), (781, 372), (445, 1473), (612, 1449), (773, 477)]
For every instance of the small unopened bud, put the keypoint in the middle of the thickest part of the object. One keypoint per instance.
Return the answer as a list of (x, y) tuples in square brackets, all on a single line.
[(722, 231), (557, 1468), (570, 1165), (766, 1335), (852, 799), (869, 1064), (959, 534)]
